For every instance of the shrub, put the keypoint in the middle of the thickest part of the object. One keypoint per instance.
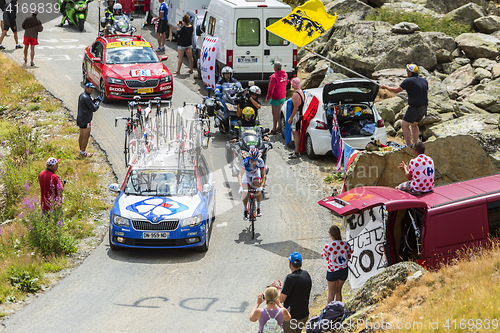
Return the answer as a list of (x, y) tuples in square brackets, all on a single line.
[(46, 233), (425, 22)]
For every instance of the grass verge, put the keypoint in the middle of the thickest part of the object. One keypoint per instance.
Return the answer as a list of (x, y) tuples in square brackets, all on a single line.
[(34, 127)]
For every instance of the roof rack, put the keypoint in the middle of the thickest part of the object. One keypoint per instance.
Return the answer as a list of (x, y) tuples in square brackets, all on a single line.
[(167, 137)]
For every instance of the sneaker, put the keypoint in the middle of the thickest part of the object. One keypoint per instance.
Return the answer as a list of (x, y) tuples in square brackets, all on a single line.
[(2, 47), (60, 25), (245, 215), (159, 49), (295, 155), (25, 60), (19, 46), (32, 64), (86, 154), (259, 213)]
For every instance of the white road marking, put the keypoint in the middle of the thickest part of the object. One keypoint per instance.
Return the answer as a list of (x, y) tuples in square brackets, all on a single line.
[(224, 224)]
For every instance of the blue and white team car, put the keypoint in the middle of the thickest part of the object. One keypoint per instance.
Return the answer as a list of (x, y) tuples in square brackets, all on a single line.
[(162, 204)]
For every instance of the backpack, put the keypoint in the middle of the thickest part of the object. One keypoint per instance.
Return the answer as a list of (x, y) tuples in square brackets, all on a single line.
[(326, 320), (272, 325)]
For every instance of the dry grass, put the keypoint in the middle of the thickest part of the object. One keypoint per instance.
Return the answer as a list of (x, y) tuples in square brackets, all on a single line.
[(457, 298)]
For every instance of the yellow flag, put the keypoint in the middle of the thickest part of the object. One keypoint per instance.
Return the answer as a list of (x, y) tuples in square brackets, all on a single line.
[(304, 24)]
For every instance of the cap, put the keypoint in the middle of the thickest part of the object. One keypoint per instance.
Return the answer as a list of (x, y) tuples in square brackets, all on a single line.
[(412, 68), (295, 258), (295, 83), (52, 161), (89, 85)]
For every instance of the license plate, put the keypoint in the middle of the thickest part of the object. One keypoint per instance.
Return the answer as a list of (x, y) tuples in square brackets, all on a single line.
[(144, 90), (155, 235), (247, 59)]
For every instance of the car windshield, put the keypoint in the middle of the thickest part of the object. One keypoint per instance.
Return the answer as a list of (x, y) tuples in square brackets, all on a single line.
[(162, 183), (131, 55)]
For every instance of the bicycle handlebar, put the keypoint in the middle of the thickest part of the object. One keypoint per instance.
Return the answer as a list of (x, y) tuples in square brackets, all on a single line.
[(127, 118)]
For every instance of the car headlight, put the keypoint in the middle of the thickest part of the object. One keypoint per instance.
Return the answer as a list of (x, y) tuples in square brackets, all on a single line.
[(120, 221), (167, 78), (112, 80), (191, 221)]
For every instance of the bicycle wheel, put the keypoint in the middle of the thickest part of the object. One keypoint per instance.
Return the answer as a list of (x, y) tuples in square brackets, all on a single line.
[(252, 215)]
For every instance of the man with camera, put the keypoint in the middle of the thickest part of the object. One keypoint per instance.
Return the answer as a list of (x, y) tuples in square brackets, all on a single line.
[(249, 98)]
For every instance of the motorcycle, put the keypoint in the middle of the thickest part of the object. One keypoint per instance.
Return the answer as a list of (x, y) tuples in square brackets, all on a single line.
[(75, 11), (225, 108), (250, 137), (120, 26)]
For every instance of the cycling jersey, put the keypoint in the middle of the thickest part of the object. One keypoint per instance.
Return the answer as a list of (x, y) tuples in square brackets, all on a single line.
[(247, 164)]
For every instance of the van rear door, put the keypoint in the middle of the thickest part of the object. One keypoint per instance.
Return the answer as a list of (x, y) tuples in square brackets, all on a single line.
[(248, 47), (275, 47)]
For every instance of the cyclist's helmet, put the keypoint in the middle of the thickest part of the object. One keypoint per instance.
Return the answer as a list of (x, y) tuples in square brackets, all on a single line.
[(254, 154), (255, 90), (227, 70), (248, 111), (117, 7)]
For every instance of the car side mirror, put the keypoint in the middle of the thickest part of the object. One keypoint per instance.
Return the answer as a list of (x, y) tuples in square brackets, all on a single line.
[(231, 132), (164, 58), (96, 59), (199, 30), (114, 187), (207, 188)]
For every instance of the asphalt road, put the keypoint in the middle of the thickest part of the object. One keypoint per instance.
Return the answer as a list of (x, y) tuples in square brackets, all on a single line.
[(173, 290)]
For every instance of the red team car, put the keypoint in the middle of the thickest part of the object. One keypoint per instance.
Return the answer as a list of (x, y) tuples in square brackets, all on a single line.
[(126, 66)]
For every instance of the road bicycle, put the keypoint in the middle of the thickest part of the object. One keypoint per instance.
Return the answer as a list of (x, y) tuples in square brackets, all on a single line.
[(160, 127), (252, 210), (130, 147)]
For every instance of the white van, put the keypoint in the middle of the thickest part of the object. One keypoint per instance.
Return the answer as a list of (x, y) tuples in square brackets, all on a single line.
[(244, 44), (177, 9)]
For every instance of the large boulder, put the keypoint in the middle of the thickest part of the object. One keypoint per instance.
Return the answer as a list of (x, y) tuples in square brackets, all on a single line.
[(438, 97), (457, 158), (380, 286), (348, 11), (462, 108), (483, 127), (314, 79), (477, 45), (488, 24), (458, 80), (405, 28), (445, 6), (466, 14), (388, 108)]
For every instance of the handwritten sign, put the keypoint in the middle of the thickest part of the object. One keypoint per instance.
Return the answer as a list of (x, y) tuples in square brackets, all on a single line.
[(366, 234)]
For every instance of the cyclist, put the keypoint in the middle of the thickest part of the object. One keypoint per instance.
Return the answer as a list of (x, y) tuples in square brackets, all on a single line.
[(248, 120), (252, 174), (250, 99), (225, 85)]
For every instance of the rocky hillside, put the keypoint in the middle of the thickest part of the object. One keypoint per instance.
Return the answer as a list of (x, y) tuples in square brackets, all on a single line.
[(463, 71)]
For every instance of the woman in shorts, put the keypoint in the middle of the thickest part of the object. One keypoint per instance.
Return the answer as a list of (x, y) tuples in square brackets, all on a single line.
[(337, 253), (184, 42)]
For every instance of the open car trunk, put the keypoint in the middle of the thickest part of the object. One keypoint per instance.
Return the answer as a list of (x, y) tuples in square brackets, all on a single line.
[(353, 119)]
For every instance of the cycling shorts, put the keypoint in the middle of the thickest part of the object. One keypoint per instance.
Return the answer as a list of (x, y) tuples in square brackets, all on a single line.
[(250, 177)]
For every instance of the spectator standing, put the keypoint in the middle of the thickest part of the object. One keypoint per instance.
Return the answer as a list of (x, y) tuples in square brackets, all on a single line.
[(51, 187), (128, 7), (273, 309), (2, 8), (184, 41), (86, 108), (32, 26), (417, 89), (419, 172), (294, 294), (162, 26), (147, 3), (337, 253), (9, 22), (296, 117), (276, 94)]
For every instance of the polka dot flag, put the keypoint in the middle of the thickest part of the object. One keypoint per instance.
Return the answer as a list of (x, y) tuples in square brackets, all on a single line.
[(207, 61)]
